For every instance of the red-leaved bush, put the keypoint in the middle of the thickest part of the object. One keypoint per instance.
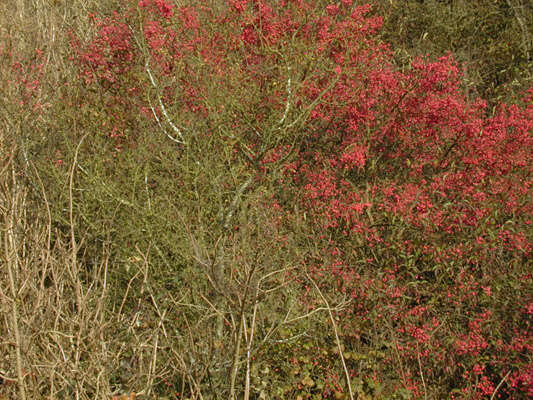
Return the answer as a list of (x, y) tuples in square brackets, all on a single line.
[(417, 201)]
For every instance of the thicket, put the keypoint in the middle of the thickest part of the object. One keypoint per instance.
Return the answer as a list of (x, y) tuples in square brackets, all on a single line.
[(491, 40), (265, 200)]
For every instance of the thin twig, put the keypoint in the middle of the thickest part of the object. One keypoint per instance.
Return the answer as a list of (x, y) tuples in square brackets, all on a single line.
[(421, 373), (289, 95), (338, 308), (235, 202), (164, 110), (151, 371), (73, 244), (311, 106), (249, 351), (499, 385), (49, 234), (337, 339), (11, 253)]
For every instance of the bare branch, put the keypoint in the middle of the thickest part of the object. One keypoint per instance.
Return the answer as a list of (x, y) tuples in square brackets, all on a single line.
[(163, 110), (337, 339)]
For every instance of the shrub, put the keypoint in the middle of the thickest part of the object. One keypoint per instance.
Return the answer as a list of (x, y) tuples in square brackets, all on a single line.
[(234, 178)]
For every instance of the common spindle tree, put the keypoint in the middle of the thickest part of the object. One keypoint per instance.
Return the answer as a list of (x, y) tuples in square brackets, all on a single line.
[(302, 164)]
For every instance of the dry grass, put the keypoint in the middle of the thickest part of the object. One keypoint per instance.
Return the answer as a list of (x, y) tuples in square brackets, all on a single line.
[(59, 340)]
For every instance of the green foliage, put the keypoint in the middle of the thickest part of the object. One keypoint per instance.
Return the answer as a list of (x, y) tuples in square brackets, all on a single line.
[(493, 40)]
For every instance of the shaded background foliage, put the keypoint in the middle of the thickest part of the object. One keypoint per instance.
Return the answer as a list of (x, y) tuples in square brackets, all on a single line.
[(492, 40)]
